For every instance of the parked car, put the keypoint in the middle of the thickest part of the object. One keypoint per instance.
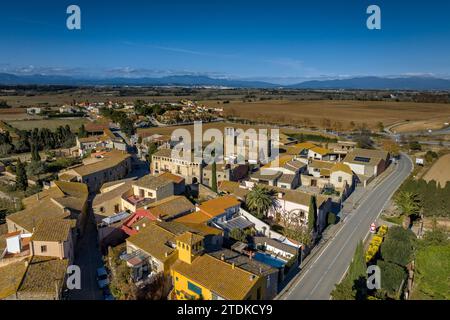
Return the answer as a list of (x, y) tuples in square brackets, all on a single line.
[(102, 277)]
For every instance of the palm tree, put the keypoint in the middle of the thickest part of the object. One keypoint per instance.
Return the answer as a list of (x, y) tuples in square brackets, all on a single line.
[(409, 203), (260, 200)]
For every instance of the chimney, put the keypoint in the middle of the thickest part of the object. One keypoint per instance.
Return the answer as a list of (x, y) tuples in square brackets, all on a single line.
[(222, 257)]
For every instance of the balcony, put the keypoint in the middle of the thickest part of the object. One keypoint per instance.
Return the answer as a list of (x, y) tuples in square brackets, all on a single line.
[(137, 201)]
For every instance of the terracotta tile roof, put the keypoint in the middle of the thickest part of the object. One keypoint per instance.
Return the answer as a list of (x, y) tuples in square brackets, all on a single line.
[(217, 206), (201, 228), (112, 194), (232, 187), (189, 238), (32, 216), (111, 160), (280, 162), (55, 230), (115, 182), (294, 165), (341, 167), (196, 217), (73, 188), (305, 145), (11, 277), (321, 164), (153, 182), (67, 177), (320, 150), (171, 206), (223, 279), (266, 175), (42, 275), (50, 204), (373, 156), (173, 177), (89, 139), (154, 240), (287, 178)]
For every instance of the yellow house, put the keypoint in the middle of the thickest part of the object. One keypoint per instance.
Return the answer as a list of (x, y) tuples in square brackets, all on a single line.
[(196, 276)]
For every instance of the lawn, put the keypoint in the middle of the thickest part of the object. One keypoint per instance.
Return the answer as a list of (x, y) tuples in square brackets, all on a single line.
[(51, 124), (432, 278)]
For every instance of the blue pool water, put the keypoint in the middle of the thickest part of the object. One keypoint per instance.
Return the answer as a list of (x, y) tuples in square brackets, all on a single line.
[(268, 259)]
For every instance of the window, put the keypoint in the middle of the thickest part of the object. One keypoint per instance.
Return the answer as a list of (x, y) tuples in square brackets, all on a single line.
[(192, 287), (116, 208), (362, 159), (43, 249), (339, 179), (102, 209)]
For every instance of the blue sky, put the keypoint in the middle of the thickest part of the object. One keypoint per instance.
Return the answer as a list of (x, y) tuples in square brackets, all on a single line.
[(276, 40)]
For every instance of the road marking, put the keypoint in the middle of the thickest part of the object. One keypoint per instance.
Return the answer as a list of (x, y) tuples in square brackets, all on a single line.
[(399, 170)]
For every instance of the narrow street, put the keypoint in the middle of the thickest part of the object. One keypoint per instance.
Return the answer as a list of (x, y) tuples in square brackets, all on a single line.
[(88, 258)]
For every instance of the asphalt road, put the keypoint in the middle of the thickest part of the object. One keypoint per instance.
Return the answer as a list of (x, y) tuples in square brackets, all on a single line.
[(319, 276)]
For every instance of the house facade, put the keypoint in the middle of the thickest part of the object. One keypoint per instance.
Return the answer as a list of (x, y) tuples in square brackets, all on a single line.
[(190, 170), (110, 166)]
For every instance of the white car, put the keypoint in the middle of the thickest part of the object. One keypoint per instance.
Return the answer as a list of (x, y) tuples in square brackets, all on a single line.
[(102, 277)]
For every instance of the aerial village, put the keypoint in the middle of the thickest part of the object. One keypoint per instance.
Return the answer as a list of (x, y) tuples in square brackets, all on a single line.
[(141, 224)]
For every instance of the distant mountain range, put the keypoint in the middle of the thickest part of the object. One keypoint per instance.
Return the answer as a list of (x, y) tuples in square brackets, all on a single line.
[(376, 83)]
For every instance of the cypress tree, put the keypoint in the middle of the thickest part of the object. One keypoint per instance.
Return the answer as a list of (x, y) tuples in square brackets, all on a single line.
[(214, 177), (21, 177), (35, 156), (312, 214), (354, 286)]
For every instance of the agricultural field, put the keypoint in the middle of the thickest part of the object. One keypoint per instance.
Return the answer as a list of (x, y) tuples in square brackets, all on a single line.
[(440, 171), (51, 124), (339, 114), (221, 126), (419, 125)]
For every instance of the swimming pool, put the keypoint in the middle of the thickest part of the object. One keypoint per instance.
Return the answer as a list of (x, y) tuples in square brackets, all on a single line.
[(268, 259)]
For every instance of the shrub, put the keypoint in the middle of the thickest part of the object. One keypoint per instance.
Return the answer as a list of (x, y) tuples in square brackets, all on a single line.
[(398, 246), (392, 276)]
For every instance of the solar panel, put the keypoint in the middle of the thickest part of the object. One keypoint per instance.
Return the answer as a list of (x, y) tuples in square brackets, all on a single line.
[(362, 159)]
